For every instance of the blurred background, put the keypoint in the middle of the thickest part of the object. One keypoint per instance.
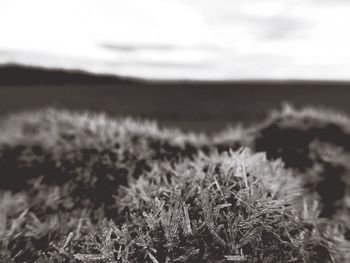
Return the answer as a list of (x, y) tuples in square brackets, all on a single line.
[(195, 64)]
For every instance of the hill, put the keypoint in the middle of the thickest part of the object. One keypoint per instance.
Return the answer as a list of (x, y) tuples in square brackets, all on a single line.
[(14, 74)]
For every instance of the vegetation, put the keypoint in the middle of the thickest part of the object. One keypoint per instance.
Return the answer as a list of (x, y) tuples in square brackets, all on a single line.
[(316, 143), (78, 187)]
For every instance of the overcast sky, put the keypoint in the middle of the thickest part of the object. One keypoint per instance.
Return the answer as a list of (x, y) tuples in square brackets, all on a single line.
[(188, 39)]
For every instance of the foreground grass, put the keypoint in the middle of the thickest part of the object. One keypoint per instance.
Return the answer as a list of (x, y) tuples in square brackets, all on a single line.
[(86, 188)]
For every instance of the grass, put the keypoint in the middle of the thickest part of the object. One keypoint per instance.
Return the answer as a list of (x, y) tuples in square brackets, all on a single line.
[(315, 143), (78, 187)]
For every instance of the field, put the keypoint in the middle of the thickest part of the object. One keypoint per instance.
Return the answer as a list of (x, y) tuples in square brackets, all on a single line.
[(191, 106), (187, 105)]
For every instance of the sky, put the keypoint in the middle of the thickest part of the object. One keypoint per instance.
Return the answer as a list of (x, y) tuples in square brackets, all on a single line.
[(181, 39)]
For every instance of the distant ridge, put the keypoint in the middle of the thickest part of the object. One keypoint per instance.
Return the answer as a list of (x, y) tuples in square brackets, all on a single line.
[(23, 75), (14, 74)]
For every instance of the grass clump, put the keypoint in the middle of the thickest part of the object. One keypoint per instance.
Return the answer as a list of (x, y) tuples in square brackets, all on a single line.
[(93, 154), (316, 144), (233, 207)]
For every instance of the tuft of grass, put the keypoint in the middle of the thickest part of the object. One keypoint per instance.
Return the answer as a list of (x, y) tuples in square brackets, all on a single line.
[(316, 144), (93, 154)]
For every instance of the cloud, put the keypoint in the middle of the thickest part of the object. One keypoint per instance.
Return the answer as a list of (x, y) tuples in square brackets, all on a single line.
[(131, 47), (183, 38), (76, 28)]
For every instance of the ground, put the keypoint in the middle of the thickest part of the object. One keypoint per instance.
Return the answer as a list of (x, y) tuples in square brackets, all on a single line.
[(83, 187)]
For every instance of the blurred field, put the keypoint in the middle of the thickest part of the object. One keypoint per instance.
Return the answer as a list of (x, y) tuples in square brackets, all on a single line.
[(190, 106)]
